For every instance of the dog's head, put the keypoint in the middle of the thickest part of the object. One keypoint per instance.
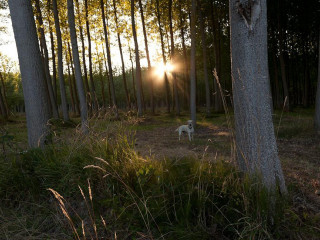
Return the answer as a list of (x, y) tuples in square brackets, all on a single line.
[(190, 125)]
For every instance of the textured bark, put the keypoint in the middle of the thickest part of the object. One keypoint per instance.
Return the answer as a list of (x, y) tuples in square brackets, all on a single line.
[(74, 109), (3, 109), (4, 97), (94, 100), (148, 58), (86, 82), (255, 140), (204, 56), (112, 90), (107, 74), (193, 65), (138, 69), (64, 103), (43, 44), (163, 57), (217, 57), (54, 66), (133, 81), (78, 75), (186, 78), (121, 55), (174, 76), (73, 80), (31, 68), (317, 110)]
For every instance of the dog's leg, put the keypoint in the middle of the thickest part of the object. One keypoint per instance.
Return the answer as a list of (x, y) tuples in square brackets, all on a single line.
[(189, 136)]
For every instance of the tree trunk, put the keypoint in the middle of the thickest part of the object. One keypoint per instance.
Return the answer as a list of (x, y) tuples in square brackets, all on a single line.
[(86, 82), (94, 99), (121, 55), (74, 108), (216, 46), (317, 110), (163, 57), (43, 44), (138, 69), (113, 94), (31, 68), (255, 140), (3, 109), (64, 103), (193, 65), (78, 75), (54, 67), (204, 56), (174, 76), (133, 80), (73, 80), (186, 78), (107, 75), (4, 95), (149, 78)]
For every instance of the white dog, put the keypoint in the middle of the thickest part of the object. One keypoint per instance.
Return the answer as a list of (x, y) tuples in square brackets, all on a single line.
[(187, 129)]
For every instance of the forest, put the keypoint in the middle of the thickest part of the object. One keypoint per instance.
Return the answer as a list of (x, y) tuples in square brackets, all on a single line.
[(159, 119)]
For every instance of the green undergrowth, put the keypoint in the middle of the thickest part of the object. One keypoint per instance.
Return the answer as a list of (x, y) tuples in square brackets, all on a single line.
[(97, 186)]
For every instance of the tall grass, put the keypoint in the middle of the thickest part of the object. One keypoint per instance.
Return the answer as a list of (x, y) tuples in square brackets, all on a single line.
[(130, 197)]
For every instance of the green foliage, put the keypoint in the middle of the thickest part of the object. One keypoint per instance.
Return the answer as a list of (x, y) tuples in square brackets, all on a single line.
[(171, 198)]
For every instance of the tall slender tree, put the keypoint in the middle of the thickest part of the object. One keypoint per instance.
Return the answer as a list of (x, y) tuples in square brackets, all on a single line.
[(174, 76), (149, 78), (317, 110), (138, 68), (167, 86), (112, 90), (60, 62), (94, 99), (43, 45), (31, 68), (78, 75), (255, 138), (121, 55), (193, 64), (204, 56)]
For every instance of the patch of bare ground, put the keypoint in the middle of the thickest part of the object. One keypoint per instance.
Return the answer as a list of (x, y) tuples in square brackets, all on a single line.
[(301, 166), (163, 142), (300, 156)]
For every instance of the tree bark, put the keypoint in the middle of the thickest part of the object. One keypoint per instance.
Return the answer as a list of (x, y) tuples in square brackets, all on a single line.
[(317, 110), (204, 56), (217, 56), (163, 57), (113, 94), (255, 140), (73, 80), (121, 56), (54, 67), (193, 65), (186, 78), (149, 78), (43, 44), (174, 76), (4, 96), (93, 89), (138, 69), (31, 68), (86, 81), (3, 109), (64, 103), (78, 75)]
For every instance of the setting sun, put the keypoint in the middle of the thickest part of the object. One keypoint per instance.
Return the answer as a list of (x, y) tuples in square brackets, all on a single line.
[(162, 68)]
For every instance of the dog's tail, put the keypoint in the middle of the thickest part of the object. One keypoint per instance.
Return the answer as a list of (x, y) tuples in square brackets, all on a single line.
[(177, 130)]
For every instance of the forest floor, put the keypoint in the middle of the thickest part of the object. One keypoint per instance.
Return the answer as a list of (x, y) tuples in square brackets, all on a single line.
[(155, 138), (298, 146)]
